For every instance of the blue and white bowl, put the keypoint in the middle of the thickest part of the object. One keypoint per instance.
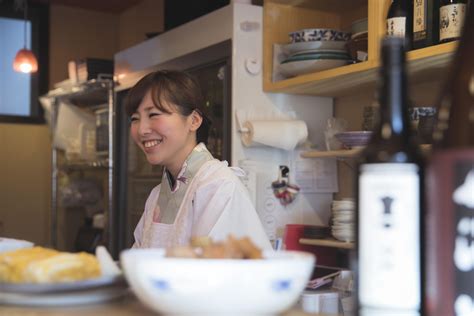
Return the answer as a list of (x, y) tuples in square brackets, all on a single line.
[(423, 111), (354, 139), (181, 286), (311, 35)]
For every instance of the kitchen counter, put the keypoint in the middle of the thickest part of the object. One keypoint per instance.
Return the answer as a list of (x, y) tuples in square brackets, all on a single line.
[(123, 307)]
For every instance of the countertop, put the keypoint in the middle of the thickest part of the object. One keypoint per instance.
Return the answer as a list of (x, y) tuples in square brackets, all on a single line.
[(121, 307)]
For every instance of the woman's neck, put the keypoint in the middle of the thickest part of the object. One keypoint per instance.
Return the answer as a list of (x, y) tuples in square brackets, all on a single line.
[(178, 162)]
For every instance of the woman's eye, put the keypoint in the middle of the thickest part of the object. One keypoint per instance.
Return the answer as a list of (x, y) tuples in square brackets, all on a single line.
[(154, 114), (133, 119)]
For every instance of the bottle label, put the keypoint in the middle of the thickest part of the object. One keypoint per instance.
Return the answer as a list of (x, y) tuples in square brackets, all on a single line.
[(451, 19), (419, 20), (396, 26), (389, 236), (451, 232)]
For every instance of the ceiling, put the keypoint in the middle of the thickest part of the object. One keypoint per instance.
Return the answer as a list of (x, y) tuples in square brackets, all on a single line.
[(112, 6)]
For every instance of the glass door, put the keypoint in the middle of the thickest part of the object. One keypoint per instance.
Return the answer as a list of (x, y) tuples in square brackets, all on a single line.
[(214, 80)]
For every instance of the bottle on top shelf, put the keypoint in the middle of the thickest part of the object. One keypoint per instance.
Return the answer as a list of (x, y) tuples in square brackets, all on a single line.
[(425, 23), (389, 200), (451, 19), (450, 189), (400, 21)]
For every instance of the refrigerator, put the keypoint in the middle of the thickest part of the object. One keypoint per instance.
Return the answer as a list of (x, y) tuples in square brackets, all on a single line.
[(223, 49)]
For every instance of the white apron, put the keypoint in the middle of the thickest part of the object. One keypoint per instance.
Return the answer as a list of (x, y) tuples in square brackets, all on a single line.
[(215, 204)]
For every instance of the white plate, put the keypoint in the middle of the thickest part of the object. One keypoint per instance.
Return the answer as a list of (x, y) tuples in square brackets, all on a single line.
[(293, 48), (64, 299), (66, 293), (320, 51), (9, 244), (301, 67)]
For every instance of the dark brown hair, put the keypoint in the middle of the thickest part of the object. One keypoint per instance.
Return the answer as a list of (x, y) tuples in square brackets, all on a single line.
[(176, 87)]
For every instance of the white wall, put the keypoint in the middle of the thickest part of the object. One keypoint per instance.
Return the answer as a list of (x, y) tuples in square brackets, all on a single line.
[(248, 96)]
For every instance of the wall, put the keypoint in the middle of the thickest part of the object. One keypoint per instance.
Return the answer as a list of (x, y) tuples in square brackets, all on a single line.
[(24, 185), (25, 160), (149, 13), (351, 108), (78, 33)]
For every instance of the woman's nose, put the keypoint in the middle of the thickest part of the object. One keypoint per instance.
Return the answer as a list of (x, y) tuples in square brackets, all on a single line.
[(144, 127)]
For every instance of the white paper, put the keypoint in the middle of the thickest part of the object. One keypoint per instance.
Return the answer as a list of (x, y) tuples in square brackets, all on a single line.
[(315, 175)]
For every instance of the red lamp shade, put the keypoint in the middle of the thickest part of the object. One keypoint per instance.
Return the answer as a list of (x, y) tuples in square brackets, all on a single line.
[(25, 61)]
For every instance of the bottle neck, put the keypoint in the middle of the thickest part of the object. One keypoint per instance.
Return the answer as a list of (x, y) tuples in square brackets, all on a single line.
[(394, 101)]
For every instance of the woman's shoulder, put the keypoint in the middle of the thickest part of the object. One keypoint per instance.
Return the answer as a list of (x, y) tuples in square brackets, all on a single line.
[(216, 172)]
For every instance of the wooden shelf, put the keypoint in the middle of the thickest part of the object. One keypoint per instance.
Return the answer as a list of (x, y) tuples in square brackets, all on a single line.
[(349, 153), (283, 16), (423, 64), (343, 153), (327, 243)]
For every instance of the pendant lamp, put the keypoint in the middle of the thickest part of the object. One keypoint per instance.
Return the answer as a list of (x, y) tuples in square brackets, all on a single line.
[(25, 61)]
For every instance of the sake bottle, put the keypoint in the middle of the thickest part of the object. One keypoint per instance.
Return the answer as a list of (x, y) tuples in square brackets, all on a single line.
[(389, 201), (450, 189), (451, 19), (399, 20), (425, 23)]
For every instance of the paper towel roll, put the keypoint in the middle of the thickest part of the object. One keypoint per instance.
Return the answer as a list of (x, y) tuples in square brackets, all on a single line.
[(284, 134)]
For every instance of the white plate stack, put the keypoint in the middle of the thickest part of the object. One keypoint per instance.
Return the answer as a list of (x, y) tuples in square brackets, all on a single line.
[(343, 220)]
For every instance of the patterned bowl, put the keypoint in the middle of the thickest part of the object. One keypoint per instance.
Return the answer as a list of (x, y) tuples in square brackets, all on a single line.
[(354, 139), (311, 35), (181, 286)]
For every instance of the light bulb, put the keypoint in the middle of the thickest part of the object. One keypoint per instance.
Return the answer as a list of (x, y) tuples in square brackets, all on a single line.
[(25, 61)]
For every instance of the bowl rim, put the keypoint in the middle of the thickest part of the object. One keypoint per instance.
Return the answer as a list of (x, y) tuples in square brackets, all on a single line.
[(318, 29), (269, 255)]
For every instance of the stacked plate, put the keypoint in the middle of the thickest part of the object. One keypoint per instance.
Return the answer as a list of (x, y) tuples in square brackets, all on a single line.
[(313, 50), (343, 220)]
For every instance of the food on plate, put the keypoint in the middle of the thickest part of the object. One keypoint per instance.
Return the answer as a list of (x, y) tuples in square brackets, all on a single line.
[(204, 247), (43, 265)]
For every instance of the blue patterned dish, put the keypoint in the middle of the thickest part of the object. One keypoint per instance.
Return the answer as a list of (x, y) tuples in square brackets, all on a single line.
[(311, 35), (184, 286), (354, 139)]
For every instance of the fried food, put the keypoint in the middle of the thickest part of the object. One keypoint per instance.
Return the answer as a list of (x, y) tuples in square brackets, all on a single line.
[(204, 247), (42, 265)]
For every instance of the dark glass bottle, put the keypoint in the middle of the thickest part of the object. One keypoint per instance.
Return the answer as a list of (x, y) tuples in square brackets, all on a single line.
[(425, 23), (400, 21), (451, 19), (389, 201), (450, 189)]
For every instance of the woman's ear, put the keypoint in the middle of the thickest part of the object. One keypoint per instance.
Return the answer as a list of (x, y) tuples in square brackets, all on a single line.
[(196, 120)]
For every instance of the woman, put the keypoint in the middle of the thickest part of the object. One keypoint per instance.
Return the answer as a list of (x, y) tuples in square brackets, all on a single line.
[(198, 195)]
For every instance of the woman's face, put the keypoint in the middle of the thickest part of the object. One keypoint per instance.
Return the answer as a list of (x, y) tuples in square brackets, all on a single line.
[(165, 138)]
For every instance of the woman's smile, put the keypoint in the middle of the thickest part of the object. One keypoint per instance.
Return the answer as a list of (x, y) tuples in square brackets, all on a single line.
[(151, 143)]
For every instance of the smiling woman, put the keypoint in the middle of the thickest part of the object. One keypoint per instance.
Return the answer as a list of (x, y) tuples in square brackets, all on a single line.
[(18, 91)]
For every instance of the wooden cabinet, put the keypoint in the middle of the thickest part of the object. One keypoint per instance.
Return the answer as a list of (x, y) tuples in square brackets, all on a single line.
[(284, 16)]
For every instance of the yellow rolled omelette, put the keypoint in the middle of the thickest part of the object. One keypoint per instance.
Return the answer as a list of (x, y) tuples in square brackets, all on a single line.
[(43, 265)]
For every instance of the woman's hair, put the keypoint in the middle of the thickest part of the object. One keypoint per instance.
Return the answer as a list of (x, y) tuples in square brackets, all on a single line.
[(176, 87)]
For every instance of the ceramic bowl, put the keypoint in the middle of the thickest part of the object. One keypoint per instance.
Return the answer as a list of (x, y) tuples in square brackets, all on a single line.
[(423, 111), (181, 286), (311, 35), (359, 26), (354, 139), (422, 120)]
